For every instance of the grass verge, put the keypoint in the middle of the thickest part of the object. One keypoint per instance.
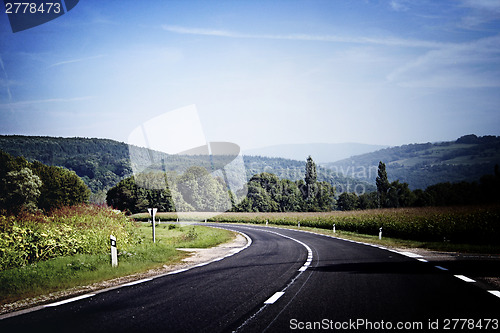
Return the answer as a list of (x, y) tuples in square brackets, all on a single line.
[(83, 269)]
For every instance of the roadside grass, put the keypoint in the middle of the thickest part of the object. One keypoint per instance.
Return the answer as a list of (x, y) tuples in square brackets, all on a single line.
[(66, 272)]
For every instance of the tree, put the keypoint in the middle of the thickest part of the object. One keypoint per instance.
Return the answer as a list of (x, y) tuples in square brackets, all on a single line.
[(203, 191), (36, 185), (348, 201), (291, 198), (311, 177), (325, 197), (399, 195), (22, 190), (127, 196), (368, 200), (61, 187), (383, 184)]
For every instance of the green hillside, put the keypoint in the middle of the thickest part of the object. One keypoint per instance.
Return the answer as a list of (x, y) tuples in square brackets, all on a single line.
[(102, 163), (421, 165)]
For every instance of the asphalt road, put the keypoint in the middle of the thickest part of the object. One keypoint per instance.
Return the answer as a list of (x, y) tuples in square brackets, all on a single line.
[(285, 281)]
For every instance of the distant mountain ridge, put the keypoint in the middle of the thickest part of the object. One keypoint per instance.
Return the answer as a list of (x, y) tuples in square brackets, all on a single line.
[(420, 165), (102, 163), (320, 152)]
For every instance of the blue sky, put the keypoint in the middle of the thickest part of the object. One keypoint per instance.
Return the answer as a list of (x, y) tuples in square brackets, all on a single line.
[(259, 72)]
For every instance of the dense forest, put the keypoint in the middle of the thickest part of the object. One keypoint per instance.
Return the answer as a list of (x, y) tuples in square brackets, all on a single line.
[(422, 165), (100, 163), (31, 187)]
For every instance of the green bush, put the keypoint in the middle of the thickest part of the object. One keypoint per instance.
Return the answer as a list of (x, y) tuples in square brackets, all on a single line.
[(30, 238)]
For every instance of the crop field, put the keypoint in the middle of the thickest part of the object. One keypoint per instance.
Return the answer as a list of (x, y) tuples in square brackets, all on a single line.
[(475, 225)]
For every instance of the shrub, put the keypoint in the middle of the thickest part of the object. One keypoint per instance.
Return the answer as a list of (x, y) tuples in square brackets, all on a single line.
[(30, 238)]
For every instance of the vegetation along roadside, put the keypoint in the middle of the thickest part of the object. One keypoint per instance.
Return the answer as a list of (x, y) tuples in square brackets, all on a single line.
[(464, 228), (41, 254)]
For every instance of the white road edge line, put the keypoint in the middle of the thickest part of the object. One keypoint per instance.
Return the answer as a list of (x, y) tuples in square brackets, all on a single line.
[(494, 292), (136, 282), (464, 278), (410, 254), (69, 300), (274, 298)]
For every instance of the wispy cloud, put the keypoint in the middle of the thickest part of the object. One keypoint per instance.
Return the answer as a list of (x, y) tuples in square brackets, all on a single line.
[(399, 5), (387, 41), (491, 5), (5, 82), (466, 65), (481, 12), (44, 101), (76, 60)]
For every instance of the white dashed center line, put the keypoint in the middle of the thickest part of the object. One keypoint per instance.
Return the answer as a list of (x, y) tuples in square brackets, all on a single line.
[(274, 298), (464, 278)]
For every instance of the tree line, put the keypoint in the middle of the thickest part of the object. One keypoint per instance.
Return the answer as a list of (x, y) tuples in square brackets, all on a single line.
[(268, 193), (195, 190), (198, 190), (32, 187), (398, 194)]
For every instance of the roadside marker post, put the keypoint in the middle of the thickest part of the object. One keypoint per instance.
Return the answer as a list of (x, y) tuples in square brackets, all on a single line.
[(114, 255), (298, 224), (152, 212), (334, 228), (380, 233)]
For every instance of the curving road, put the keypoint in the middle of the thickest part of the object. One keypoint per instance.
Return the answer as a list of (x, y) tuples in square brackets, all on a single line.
[(286, 280)]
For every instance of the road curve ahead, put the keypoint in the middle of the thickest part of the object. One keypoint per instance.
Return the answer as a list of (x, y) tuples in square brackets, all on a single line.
[(285, 281)]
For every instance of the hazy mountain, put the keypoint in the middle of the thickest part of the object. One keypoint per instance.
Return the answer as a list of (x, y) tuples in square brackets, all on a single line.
[(421, 165), (320, 152)]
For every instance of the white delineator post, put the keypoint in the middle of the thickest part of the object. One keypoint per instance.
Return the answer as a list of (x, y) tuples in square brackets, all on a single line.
[(334, 229), (380, 233), (152, 212), (114, 255)]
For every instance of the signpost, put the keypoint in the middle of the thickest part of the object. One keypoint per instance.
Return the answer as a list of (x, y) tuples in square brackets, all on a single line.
[(152, 212), (114, 256)]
